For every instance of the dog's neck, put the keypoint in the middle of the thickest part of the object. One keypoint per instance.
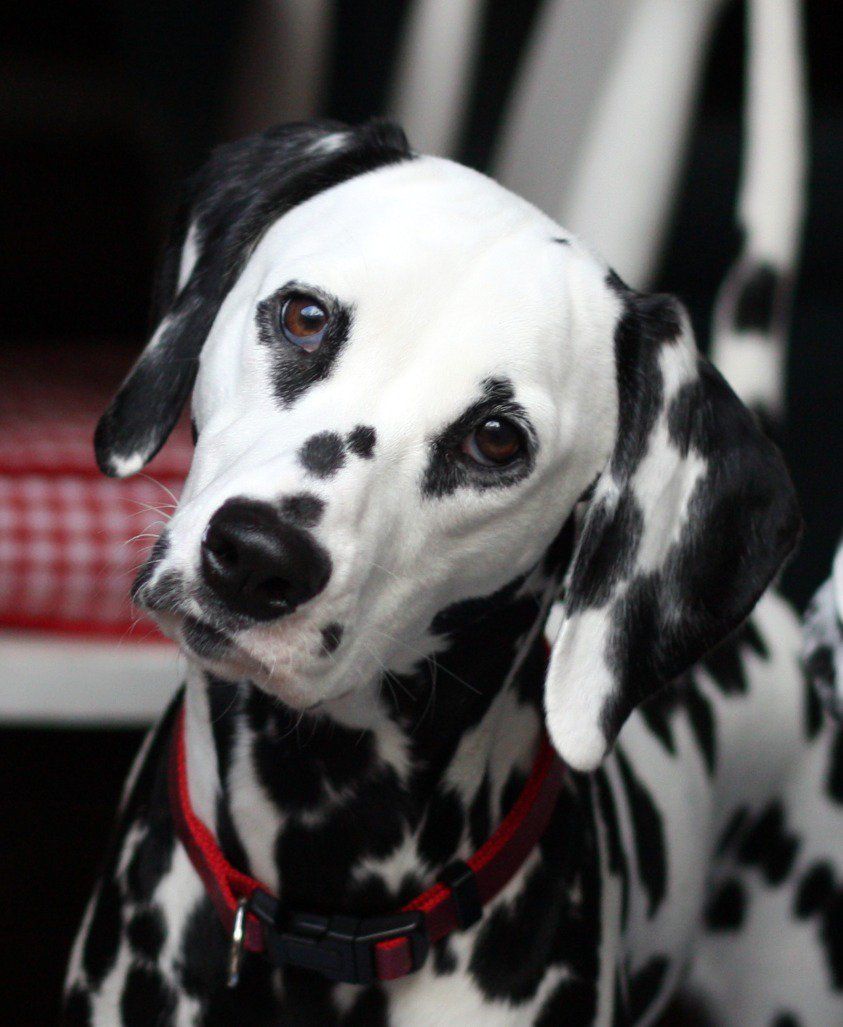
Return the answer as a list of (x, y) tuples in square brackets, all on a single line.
[(355, 808)]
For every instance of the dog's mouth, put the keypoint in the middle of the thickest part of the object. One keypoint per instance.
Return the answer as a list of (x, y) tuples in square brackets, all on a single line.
[(289, 664)]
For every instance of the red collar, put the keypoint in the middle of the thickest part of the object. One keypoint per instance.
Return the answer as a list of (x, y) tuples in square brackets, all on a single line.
[(345, 948)]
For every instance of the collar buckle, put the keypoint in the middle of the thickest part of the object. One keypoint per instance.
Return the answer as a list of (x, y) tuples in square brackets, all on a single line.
[(238, 937), (341, 948)]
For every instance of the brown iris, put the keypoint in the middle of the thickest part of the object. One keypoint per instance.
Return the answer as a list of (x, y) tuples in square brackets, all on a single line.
[(494, 443), (304, 321)]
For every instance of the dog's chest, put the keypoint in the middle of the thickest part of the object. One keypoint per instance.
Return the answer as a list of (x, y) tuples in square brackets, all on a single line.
[(603, 911)]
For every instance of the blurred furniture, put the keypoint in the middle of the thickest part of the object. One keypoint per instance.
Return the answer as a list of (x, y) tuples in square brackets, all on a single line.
[(71, 647)]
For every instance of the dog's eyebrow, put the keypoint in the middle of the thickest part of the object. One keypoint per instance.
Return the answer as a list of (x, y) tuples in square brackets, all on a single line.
[(445, 473)]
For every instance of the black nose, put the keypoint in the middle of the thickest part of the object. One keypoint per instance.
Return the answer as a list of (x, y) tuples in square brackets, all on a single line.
[(258, 564)]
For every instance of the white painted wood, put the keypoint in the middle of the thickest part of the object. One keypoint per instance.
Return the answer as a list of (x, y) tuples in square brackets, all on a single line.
[(561, 75), (46, 680), (597, 129), (433, 69)]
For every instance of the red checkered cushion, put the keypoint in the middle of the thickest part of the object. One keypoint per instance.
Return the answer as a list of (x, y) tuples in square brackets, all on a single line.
[(71, 540)]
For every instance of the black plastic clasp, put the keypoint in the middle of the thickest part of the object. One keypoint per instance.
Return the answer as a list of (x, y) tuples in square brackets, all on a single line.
[(341, 948), (462, 881)]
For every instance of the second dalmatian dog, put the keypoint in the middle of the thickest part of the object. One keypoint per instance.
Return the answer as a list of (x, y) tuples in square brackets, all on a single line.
[(432, 427)]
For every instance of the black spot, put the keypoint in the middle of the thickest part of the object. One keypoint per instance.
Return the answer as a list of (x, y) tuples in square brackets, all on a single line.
[(701, 720), (813, 705), (573, 1003), (832, 937), (820, 668), (751, 637), (558, 555), (442, 828), (562, 242), (480, 813), (361, 441), (617, 856), (606, 552), (834, 782), (466, 614), (448, 469), (768, 846), (331, 638), (815, 891), (194, 431), (224, 698), (726, 908), (785, 1020), (76, 1010), (726, 666), (153, 854), (323, 454), (146, 999), (733, 830), (147, 932), (645, 985), (648, 831), (206, 641), (646, 323), (296, 759), (688, 1009), (657, 719), (242, 190), (228, 837), (303, 509), (755, 307), (511, 790), (370, 1009), (204, 950), (515, 941), (444, 960), (371, 823), (103, 940)]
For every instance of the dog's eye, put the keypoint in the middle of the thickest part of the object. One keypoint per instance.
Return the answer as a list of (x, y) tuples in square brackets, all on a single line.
[(494, 443), (303, 322)]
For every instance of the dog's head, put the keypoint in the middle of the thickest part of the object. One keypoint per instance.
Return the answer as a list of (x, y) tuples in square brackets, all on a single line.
[(405, 379)]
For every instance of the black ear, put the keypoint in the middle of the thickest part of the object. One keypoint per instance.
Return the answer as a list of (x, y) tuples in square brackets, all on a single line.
[(686, 526), (242, 190)]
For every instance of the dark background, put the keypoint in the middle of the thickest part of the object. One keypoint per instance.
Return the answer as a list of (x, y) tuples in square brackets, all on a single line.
[(107, 106)]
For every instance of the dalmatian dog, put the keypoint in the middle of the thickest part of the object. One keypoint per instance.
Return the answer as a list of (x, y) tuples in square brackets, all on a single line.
[(432, 430)]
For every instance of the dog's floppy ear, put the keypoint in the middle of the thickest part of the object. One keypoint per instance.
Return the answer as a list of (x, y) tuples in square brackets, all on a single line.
[(681, 533), (231, 202)]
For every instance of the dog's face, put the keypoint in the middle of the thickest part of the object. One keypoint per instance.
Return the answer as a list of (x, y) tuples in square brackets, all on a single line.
[(404, 382), (402, 385)]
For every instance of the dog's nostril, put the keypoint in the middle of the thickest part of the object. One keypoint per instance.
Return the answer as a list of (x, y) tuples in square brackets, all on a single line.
[(275, 591), (224, 551)]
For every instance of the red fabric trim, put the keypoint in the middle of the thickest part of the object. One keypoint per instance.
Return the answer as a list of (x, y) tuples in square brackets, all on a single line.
[(224, 883), (495, 863)]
